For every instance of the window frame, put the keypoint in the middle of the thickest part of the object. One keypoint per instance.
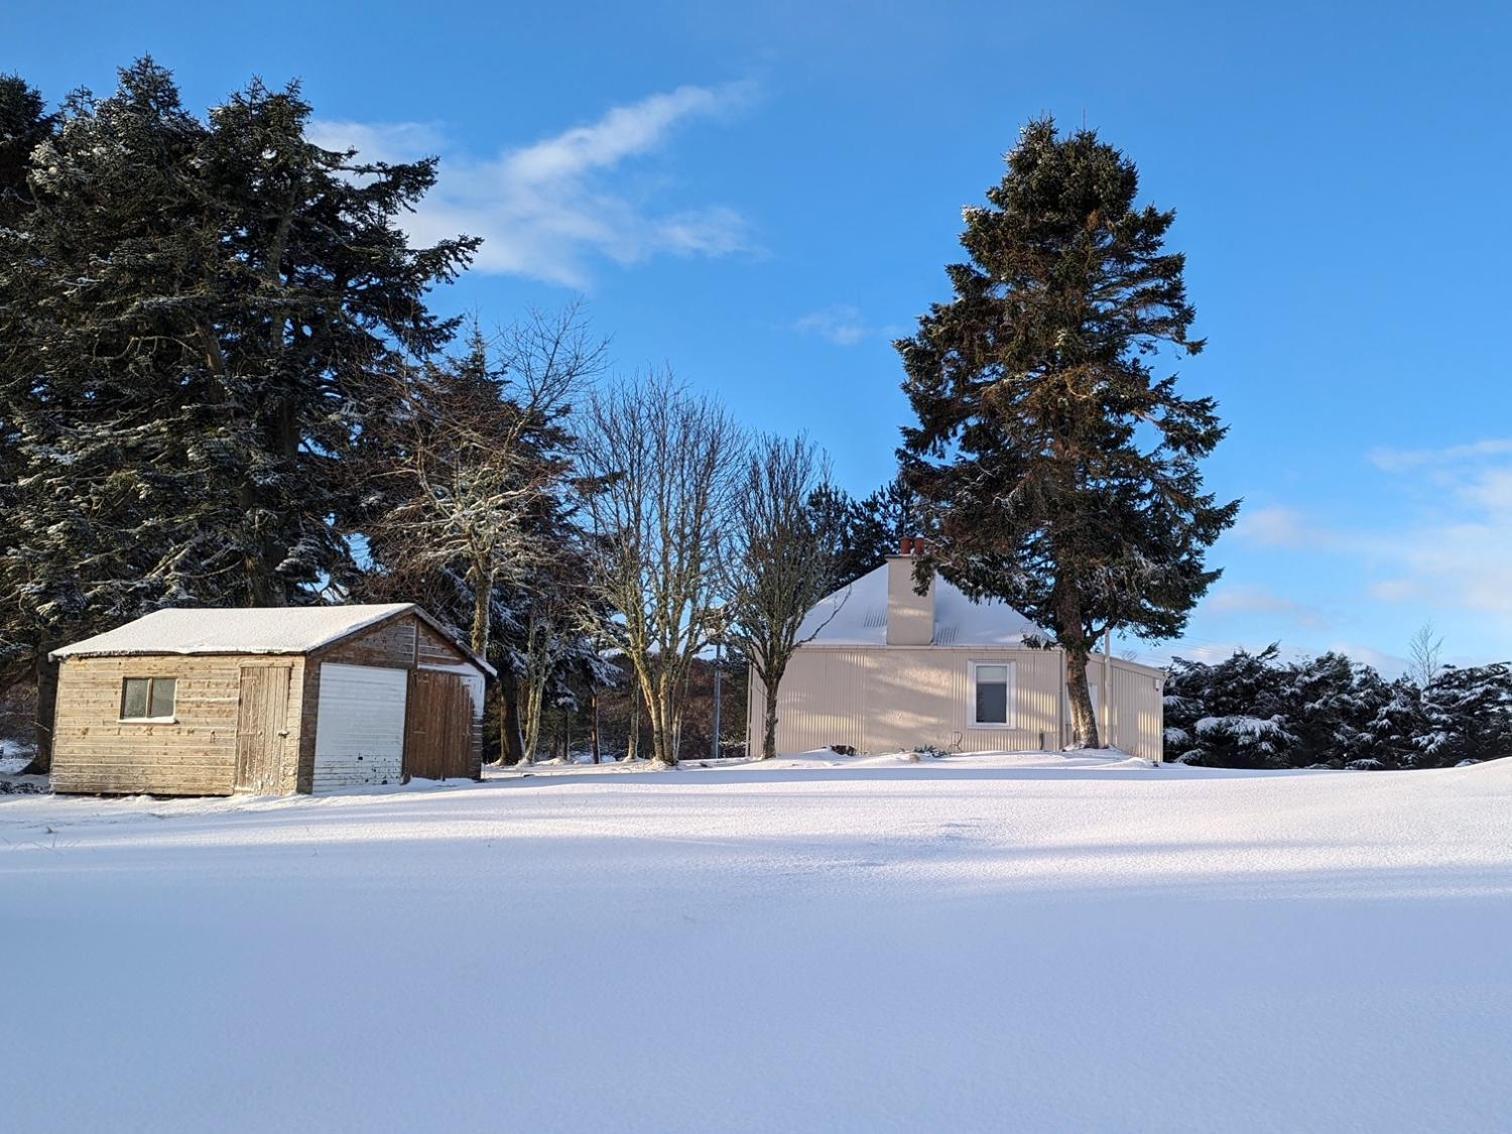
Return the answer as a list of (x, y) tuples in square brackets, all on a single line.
[(1010, 708), (151, 680)]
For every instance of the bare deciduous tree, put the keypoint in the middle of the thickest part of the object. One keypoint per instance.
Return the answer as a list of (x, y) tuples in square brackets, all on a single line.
[(1424, 655), (659, 458), (480, 492), (563, 624), (775, 563)]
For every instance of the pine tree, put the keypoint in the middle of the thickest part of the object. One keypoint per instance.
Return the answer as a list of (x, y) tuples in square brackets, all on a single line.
[(859, 535), (1232, 714), (1466, 715), (201, 319), (1330, 703), (1054, 469), (24, 125)]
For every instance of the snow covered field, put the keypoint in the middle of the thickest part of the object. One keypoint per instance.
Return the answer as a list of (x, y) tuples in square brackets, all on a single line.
[(970, 944)]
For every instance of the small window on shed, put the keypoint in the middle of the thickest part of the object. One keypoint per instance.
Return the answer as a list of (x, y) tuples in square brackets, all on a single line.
[(147, 698)]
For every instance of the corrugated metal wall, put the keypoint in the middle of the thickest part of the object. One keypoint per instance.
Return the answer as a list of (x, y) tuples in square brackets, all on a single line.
[(1136, 709), (899, 698)]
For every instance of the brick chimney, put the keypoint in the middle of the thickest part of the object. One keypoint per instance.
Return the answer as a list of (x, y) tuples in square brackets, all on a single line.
[(910, 616)]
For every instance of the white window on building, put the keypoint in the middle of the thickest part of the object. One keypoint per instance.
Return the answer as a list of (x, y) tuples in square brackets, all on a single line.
[(991, 695), (147, 698)]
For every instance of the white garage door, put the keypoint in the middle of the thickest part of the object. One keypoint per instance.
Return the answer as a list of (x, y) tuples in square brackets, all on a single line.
[(359, 735)]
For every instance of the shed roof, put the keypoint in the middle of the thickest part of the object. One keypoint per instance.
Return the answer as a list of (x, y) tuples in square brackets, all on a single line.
[(247, 630), (857, 616)]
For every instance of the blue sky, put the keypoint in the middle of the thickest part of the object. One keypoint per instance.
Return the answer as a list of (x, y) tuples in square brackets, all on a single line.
[(761, 196)]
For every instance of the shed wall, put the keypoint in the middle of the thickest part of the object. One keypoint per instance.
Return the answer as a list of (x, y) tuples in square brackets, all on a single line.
[(405, 643), (96, 752)]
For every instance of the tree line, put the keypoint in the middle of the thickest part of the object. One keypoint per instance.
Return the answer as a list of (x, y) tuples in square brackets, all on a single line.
[(222, 383), (1253, 710)]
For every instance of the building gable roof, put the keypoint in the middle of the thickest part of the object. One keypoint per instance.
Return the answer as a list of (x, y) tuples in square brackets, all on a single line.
[(249, 630), (856, 615)]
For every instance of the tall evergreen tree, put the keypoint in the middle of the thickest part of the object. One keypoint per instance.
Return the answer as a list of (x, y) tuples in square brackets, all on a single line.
[(1054, 469), (24, 125), (859, 535), (200, 318)]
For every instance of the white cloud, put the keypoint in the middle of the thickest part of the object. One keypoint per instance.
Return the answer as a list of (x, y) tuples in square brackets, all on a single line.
[(1460, 551), (840, 323), (1261, 600), (1395, 590), (1274, 527), (1450, 544), (393, 142), (548, 210), (1402, 460)]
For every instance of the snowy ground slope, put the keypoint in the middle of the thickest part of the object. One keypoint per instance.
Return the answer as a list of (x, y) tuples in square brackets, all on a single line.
[(967, 944)]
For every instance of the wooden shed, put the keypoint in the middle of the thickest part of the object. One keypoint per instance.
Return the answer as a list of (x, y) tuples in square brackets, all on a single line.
[(267, 701)]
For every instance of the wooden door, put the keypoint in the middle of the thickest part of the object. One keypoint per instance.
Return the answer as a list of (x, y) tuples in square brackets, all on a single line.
[(438, 734), (261, 727)]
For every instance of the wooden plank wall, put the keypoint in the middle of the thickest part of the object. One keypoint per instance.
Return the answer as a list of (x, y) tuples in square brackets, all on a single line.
[(435, 649), (438, 741), (96, 752), (437, 652)]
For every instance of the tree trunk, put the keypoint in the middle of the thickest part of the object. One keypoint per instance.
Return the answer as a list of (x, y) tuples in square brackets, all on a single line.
[(632, 738), (531, 712), (482, 613), (659, 706), (769, 716), (1079, 694), (47, 709), (593, 724), (769, 731), (511, 744)]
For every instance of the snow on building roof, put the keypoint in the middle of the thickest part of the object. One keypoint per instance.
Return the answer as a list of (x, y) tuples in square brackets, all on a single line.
[(244, 630), (857, 616)]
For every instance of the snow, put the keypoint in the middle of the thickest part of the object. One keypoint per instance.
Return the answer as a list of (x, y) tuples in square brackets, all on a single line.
[(251, 630), (972, 943), (857, 616), (14, 755)]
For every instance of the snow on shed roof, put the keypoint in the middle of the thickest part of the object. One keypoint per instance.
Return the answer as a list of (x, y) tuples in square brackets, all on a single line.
[(857, 616), (245, 630)]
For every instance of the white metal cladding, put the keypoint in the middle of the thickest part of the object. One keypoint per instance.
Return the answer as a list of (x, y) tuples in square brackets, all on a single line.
[(359, 733), (1137, 708), (889, 698)]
